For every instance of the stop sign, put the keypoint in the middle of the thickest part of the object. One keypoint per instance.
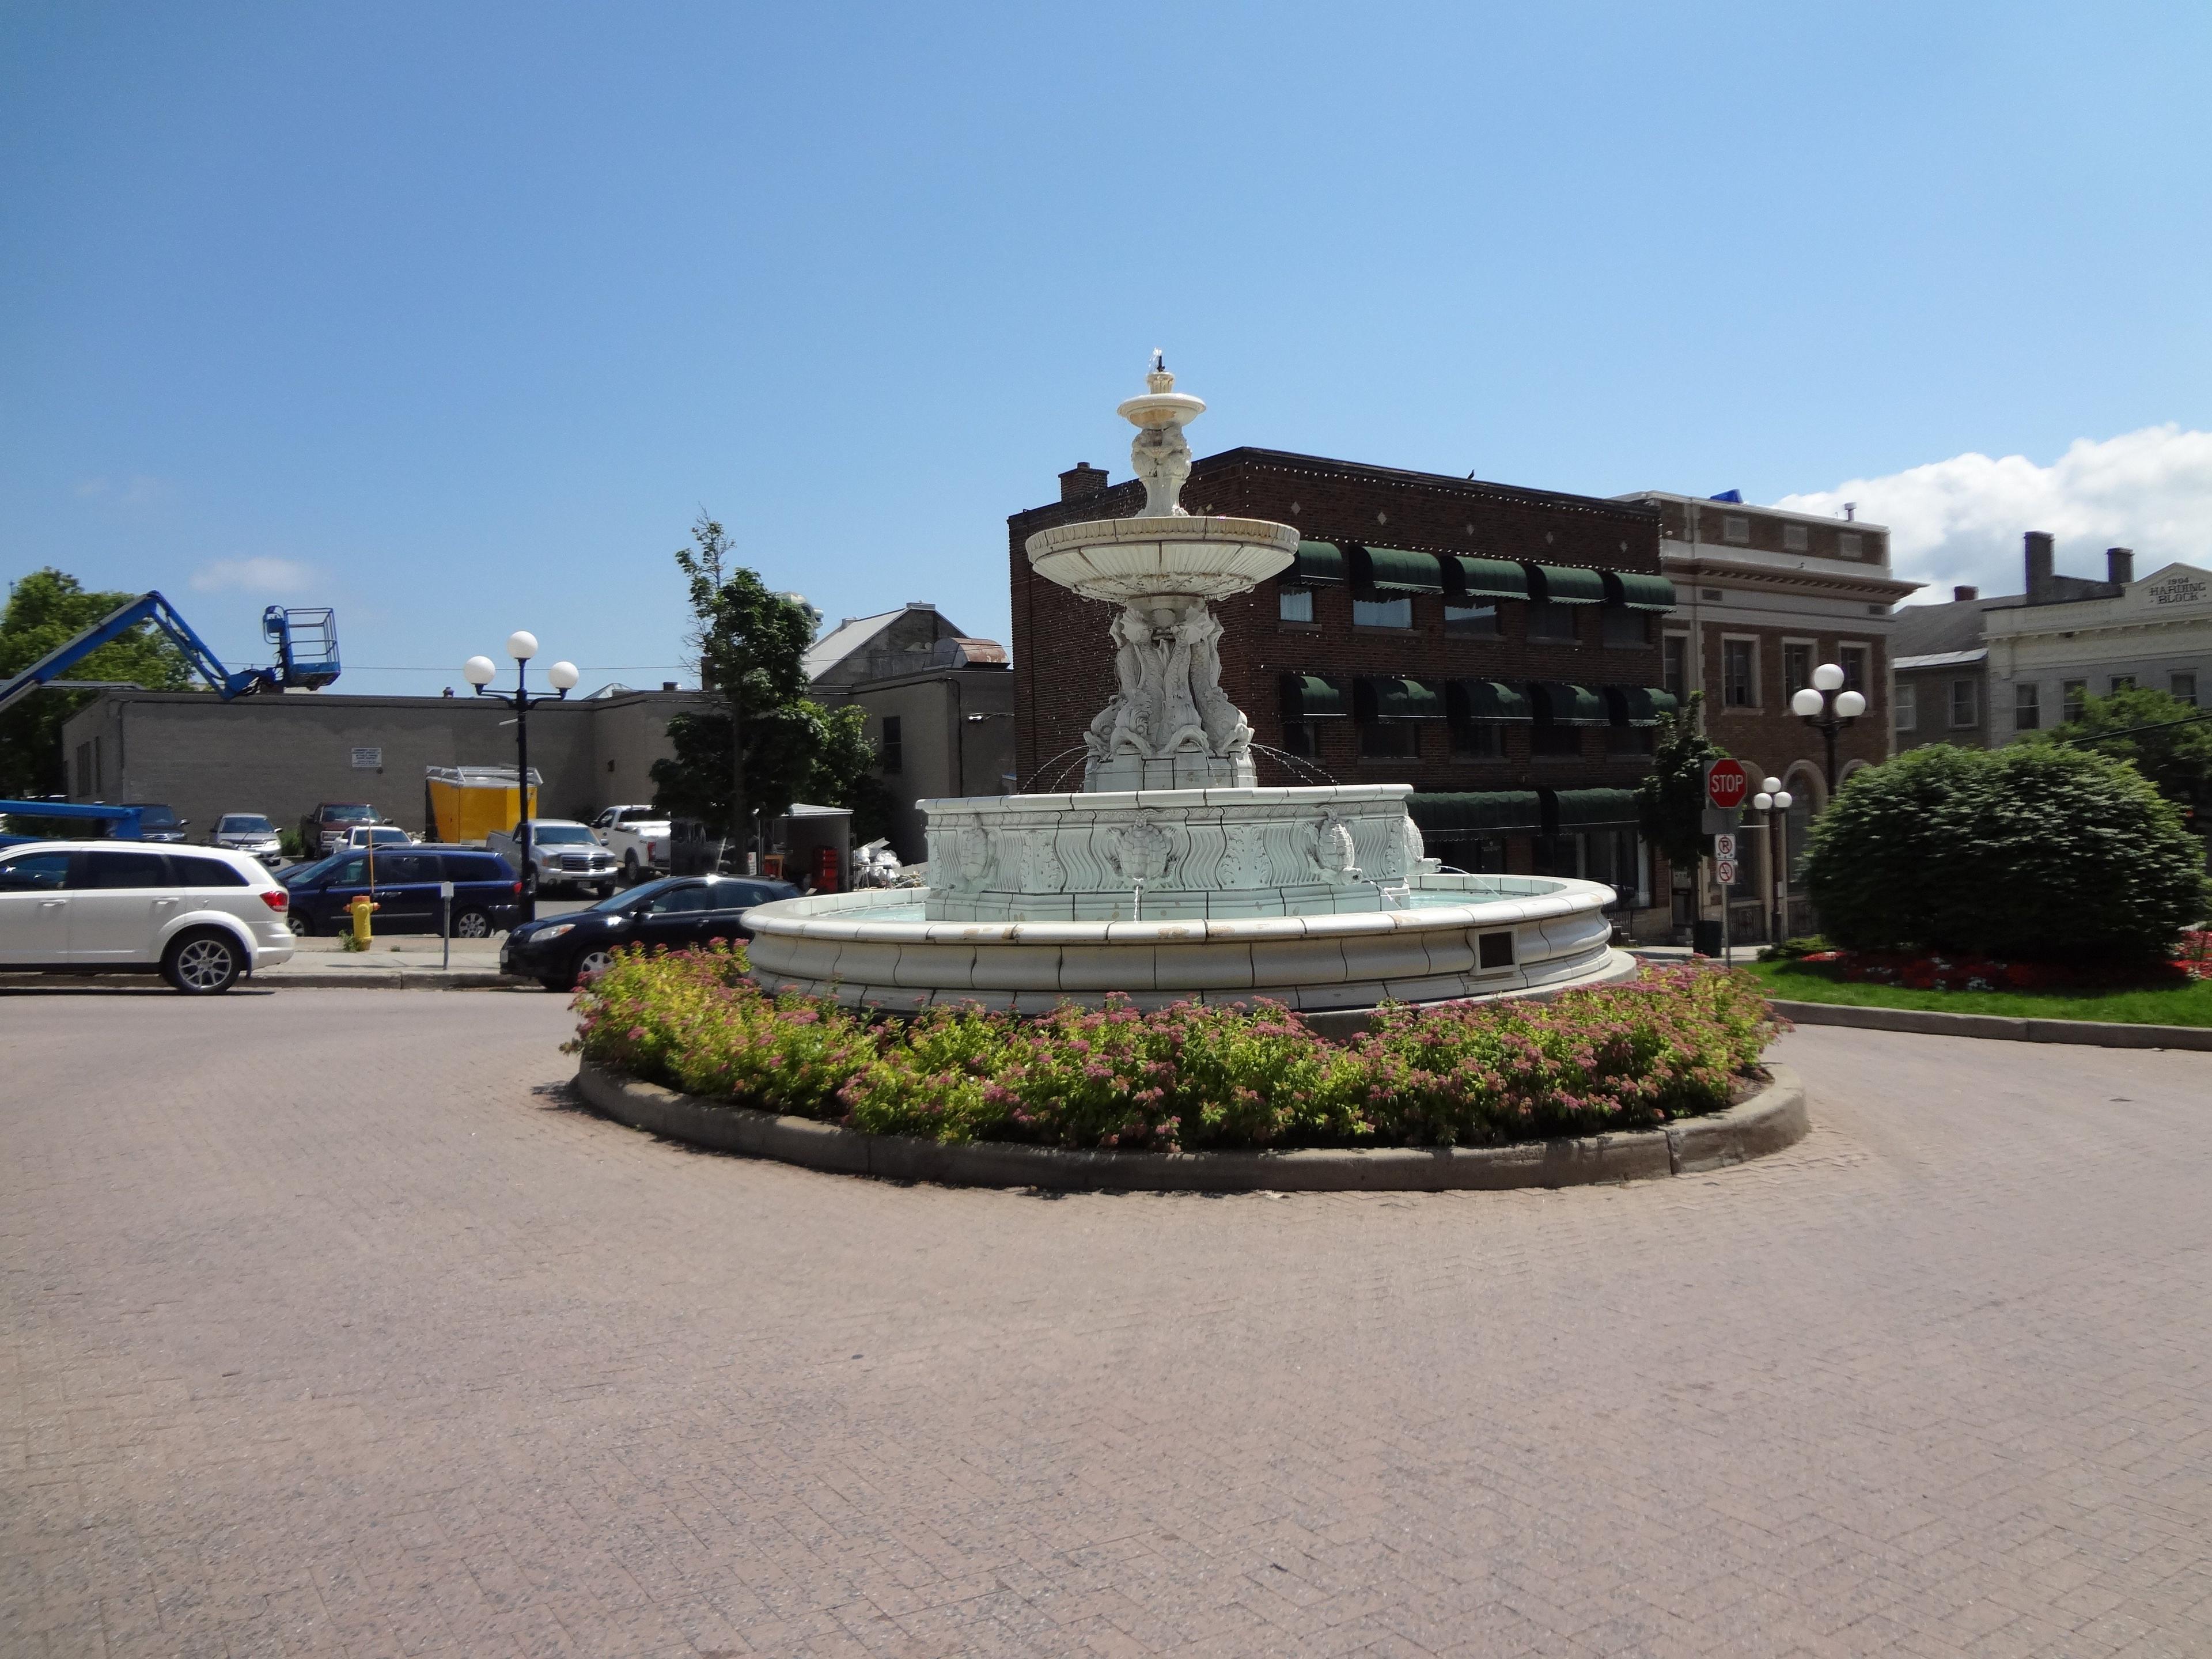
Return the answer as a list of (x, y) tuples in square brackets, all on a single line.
[(1727, 784)]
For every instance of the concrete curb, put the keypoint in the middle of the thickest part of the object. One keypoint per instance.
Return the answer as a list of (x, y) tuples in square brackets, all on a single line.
[(1772, 1120), (1934, 1022), (388, 979)]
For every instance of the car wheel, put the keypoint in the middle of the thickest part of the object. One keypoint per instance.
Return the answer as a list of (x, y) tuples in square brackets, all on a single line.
[(605, 890), (202, 963), (472, 924), (631, 877), (594, 963), (301, 924)]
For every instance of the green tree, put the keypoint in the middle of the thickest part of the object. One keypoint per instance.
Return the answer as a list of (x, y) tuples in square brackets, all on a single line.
[(1671, 797), (2176, 755), (2030, 852), (764, 744), (47, 608)]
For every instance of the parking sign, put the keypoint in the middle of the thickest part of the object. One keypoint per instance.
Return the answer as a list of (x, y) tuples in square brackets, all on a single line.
[(1724, 847), (1724, 872)]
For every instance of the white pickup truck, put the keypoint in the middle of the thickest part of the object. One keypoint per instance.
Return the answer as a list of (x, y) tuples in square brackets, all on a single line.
[(638, 838), (565, 853)]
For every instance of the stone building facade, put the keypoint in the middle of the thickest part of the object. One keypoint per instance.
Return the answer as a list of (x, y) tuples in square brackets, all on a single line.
[(1496, 647)]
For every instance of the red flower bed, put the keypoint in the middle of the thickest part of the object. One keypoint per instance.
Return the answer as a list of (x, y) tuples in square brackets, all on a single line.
[(2192, 959)]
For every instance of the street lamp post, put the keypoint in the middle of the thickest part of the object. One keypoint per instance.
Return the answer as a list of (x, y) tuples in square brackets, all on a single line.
[(1828, 708), (1774, 800), (478, 672)]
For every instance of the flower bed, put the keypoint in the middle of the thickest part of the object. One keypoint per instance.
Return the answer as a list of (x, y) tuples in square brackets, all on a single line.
[(1939, 971), (1676, 1042)]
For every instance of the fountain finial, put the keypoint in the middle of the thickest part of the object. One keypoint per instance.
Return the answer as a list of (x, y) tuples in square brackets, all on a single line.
[(1160, 455)]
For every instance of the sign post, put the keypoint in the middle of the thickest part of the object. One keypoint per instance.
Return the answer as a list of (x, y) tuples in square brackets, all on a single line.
[(445, 922), (1728, 786)]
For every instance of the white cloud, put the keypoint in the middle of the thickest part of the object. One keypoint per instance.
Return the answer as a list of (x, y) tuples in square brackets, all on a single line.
[(1960, 520), (263, 575)]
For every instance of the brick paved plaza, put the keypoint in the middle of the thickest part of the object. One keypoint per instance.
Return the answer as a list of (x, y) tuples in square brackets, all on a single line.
[(332, 1326)]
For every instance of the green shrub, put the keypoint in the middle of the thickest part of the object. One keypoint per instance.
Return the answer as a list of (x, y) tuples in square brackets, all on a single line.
[(2029, 852), (1676, 1042)]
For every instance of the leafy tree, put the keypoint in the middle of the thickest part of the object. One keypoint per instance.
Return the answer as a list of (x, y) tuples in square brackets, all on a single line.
[(47, 608), (2029, 852), (2176, 757), (1672, 795), (765, 745)]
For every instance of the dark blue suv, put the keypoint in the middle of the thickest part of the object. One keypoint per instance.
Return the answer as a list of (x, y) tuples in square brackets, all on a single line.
[(487, 893)]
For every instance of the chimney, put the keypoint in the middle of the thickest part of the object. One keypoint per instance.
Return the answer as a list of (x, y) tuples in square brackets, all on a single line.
[(2040, 560), (1080, 480), (2120, 564), (668, 685), (1960, 595)]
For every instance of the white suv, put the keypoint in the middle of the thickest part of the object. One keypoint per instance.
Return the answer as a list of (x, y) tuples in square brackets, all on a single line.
[(200, 917)]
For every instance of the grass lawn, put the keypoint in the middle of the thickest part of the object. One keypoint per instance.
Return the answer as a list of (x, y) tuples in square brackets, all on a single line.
[(1802, 981)]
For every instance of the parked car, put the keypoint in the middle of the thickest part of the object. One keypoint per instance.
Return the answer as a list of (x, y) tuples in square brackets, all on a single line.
[(565, 853), (323, 830), (156, 822), (249, 833), (487, 893), (200, 918), (638, 836), (677, 912), (381, 836)]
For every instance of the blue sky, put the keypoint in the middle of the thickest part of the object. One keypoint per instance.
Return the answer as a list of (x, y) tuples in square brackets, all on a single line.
[(455, 316)]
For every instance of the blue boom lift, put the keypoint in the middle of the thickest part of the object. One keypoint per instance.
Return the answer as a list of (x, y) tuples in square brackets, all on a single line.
[(307, 653)]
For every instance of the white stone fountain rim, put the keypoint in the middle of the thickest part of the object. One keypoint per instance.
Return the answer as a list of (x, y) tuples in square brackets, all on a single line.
[(1262, 532), (1181, 800), (826, 917)]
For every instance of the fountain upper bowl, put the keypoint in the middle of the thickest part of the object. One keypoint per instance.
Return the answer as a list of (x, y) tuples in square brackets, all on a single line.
[(1126, 561)]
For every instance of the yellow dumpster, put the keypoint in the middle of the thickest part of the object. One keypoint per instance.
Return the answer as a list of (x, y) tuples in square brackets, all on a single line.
[(467, 803)]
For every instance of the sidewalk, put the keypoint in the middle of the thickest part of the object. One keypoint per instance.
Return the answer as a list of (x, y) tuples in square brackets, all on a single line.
[(410, 963)]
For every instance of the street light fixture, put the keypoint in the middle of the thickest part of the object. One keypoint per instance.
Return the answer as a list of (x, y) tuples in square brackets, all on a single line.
[(479, 671), (1773, 800), (1828, 708)]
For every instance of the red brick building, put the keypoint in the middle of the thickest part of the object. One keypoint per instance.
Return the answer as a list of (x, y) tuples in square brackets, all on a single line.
[(1497, 648)]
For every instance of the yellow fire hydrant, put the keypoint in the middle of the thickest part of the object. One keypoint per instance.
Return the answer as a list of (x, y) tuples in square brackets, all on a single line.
[(360, 906)]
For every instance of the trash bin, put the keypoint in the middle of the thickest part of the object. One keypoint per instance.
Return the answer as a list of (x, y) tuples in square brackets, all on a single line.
[(1705, 938)]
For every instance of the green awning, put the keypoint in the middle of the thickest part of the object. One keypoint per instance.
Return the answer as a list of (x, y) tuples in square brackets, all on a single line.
[(1485, 700), (1396, 570), (1561, 704), (1639, 705), (1381, 698), (1440, 817), (1487, 578), (1311, 697), (1592, 809), (1639, 592), (1317, 562), (1565, 584)]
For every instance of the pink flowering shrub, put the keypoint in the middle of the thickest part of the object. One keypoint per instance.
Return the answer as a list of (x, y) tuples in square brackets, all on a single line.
[(1674, 1042)]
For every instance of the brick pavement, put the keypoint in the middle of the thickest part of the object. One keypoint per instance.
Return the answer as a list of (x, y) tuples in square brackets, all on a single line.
[(332, 1326)]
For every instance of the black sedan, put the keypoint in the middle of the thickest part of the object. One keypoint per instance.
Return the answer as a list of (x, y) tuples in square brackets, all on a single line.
[(685, 910)]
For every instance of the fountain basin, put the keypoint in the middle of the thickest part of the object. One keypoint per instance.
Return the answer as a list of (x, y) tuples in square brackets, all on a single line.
[(1459, 937), (1144, 560)]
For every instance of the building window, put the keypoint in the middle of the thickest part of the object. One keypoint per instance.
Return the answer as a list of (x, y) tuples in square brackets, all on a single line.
[(1476, 740), (1740, 673), (894, 747), (2077, 694), (1675, 665), (1550, 620), (2183, 687), (1626, 627), (1559, 855), (1855, 671), (1796, 669), (1294, 604), (1629, 740), (1389, 740), (2123, 683), (1851, 545), (1477, 617), (1483, 855), (1555, 739), (1908, 711), (1796, 538), (2027, 706), (1299, 738), (1965, 710), (1734, 527), (1396, 612)]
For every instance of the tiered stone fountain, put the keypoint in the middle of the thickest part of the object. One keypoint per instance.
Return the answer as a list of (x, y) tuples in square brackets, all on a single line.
[(1173, 875)]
